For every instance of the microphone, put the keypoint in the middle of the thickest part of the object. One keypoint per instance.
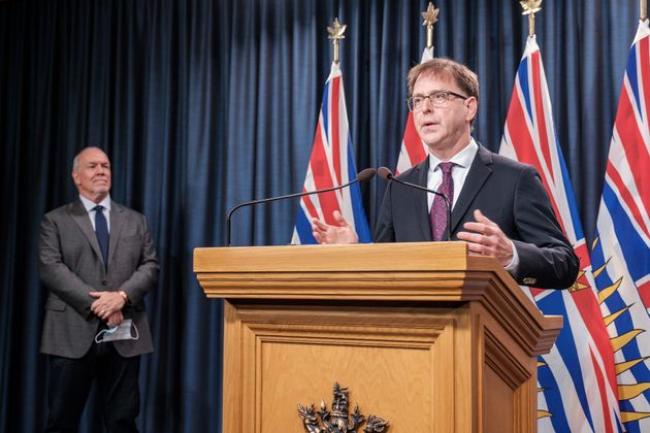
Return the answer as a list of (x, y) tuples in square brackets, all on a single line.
[(386, 174), (362, 176)]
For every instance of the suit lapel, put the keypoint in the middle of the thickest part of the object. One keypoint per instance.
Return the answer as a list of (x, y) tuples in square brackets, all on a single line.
[(80, 216), (422, 209), (478, 174), (117, 222)]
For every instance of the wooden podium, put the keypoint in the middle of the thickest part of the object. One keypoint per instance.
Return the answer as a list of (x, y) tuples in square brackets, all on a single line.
[(422, 335)]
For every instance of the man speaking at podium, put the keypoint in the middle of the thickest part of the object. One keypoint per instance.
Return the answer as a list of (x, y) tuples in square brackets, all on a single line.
[(498, 206)]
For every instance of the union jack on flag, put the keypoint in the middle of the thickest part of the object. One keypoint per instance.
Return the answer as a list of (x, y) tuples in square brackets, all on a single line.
[(621, 250), (413, 151), (331, 164), (577, 378)]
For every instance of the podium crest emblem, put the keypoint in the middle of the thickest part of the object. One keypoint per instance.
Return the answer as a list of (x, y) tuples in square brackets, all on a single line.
[(339, 419)]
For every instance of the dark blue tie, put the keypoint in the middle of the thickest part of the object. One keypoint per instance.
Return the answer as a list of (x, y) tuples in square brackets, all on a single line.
[(101, 230)]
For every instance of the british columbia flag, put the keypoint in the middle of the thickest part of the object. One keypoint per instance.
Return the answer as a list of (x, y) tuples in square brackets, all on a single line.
[(413, 151), (621, 248), (577, 379), (331, 164)]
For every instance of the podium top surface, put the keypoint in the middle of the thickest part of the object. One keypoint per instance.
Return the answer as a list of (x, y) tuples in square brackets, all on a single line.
[(415, 256), (441, 273)]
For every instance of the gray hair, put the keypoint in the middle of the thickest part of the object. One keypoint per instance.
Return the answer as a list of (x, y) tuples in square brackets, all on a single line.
[(75, 160)]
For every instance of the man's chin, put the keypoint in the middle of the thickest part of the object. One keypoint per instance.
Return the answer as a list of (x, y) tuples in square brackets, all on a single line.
[(101, 189), (430, 139), (100, 194)]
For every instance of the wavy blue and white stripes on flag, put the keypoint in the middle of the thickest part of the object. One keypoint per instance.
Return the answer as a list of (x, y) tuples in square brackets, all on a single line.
[(621, 250), (577, 378), (331, 164)]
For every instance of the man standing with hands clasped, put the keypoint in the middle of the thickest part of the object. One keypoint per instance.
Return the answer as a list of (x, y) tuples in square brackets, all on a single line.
[(499, 206), (98, 262)]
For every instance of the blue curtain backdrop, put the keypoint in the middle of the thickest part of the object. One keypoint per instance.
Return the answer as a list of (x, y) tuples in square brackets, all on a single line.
[(202, 104)]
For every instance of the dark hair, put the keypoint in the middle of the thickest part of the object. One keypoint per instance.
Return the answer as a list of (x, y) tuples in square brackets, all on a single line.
[(464, 77)]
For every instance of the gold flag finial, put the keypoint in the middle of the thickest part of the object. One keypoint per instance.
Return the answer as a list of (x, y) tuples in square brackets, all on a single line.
[(430, 18), (336, 31), (531, 7)]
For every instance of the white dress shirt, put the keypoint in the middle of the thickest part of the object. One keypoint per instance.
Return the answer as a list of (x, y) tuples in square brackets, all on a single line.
[(462, 160), (89, 205)]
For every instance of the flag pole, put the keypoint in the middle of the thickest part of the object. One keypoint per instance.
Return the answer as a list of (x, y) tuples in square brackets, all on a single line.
[(336, 31), (643, 5), (430, 18), (531, 7)]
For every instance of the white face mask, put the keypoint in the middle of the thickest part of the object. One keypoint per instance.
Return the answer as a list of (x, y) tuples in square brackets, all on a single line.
[(119, 332)]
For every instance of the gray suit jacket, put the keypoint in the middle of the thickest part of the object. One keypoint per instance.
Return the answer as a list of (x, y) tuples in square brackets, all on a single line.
[(71, 265)]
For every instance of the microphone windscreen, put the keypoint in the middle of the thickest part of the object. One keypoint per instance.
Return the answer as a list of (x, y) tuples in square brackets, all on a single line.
[(385, 173), (366, 174)]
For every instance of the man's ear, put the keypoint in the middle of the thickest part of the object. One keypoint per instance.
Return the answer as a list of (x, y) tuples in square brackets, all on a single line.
[(472, 108)]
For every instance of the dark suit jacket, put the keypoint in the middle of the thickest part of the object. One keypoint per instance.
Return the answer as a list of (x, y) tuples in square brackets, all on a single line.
[(71, 265), (509, 193)]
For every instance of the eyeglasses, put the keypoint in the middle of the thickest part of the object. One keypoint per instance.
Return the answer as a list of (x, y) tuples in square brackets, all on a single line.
[(438, 99)]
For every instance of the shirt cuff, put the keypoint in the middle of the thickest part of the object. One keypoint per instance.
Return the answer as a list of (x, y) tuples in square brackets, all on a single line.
[(514, 263)]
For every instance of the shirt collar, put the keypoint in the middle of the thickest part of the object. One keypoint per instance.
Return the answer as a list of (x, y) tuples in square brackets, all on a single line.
[(464, 158), (90, 205)]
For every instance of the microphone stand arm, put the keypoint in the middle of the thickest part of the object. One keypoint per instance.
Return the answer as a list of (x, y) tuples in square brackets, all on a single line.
[(391, 177), (282, 197)]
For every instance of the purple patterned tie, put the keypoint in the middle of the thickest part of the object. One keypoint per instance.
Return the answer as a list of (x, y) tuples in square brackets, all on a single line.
[(439, 213)]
